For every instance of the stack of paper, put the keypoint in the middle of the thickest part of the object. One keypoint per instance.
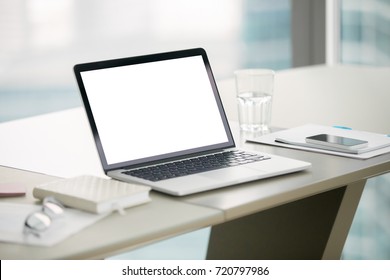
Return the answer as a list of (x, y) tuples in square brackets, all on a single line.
[(13, 215), (295, 138)]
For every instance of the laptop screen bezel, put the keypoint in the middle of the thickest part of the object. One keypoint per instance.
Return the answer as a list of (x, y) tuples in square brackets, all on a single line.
[(83, 67)]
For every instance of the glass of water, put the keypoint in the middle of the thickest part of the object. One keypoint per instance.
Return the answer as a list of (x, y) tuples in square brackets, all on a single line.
[(255, 89)]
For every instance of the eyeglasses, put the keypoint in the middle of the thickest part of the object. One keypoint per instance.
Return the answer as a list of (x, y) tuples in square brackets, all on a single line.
[(39, 221)]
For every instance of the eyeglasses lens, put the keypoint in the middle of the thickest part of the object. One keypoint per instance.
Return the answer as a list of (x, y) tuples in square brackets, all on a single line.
[(40, 221), (52, 208)]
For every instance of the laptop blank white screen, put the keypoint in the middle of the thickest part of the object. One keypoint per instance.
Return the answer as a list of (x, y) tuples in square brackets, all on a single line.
[(156, 108)]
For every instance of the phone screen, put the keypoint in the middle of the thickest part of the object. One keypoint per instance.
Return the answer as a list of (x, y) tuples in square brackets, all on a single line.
[(337, 140)]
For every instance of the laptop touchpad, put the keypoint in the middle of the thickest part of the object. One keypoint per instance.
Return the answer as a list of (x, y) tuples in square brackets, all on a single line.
[(236, 173)]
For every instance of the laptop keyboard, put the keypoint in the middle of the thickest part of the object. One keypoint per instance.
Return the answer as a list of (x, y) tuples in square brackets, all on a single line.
[(195, 165)]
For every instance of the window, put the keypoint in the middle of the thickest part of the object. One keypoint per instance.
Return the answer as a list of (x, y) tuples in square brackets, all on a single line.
[(41, 40), (365, 32)]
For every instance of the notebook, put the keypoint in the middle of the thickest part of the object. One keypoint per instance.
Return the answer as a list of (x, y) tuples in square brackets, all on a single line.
[(94, 194), (158, 119)]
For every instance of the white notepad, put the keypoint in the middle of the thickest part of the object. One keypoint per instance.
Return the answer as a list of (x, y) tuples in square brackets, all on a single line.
[(94, 194), (295, 138), (13, 215)]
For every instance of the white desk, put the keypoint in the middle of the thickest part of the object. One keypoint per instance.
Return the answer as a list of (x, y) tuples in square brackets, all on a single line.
[(304, 215)]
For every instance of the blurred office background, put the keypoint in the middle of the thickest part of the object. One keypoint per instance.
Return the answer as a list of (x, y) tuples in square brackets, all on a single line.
[(41, 40)]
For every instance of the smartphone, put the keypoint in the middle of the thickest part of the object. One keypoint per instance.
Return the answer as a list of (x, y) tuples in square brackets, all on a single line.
[(337, 141)]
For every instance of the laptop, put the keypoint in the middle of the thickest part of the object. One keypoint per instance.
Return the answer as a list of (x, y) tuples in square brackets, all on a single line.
[(158, 120)]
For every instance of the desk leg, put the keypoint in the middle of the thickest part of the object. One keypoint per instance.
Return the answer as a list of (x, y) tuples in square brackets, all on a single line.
[(343, 221), (310, 228)]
